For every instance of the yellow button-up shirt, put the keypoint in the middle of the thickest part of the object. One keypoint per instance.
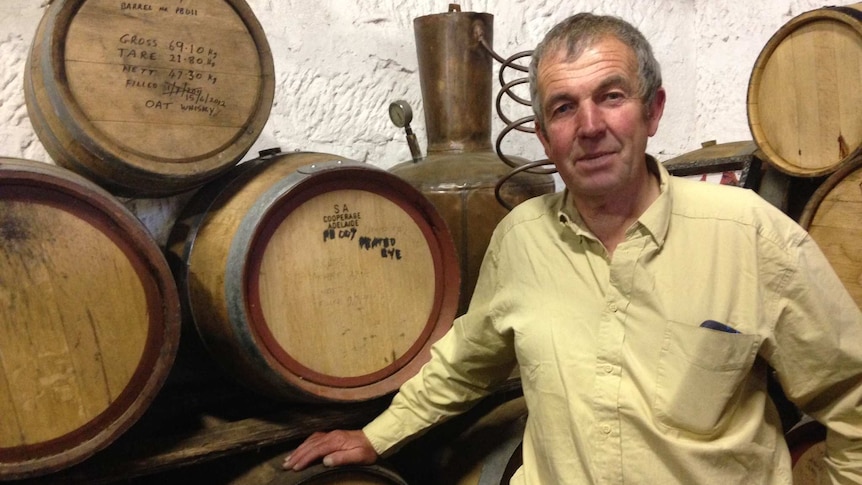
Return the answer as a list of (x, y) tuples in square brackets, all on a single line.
[(621, 382)]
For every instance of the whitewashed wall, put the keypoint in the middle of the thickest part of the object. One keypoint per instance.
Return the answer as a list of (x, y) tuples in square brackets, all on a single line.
[(339, 63)]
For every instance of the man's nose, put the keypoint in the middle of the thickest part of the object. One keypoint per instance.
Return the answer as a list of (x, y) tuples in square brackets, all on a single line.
[(590, 120)]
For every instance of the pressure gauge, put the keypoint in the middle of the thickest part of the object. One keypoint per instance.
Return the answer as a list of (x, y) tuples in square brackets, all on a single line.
[(400, 113)]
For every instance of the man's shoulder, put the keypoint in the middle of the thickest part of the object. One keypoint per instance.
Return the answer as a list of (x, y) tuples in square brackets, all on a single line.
[(731, 205), (696, 197), (539, 207), (532, 216)]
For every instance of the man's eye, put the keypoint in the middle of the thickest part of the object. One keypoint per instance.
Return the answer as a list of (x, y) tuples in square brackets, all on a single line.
[(562, 109), (614, 97)]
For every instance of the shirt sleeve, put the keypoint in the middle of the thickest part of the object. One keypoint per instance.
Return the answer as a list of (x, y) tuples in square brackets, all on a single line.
[(819, 358), (466, 364)]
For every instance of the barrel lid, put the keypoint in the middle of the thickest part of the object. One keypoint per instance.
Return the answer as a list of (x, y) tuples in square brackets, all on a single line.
[(379, 271)]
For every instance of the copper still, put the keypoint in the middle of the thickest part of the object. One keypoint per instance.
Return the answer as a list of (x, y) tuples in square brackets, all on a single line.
[(461, 169)]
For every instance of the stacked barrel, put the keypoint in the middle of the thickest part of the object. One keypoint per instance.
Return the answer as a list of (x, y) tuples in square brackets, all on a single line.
[(132, 102), (90, 322)]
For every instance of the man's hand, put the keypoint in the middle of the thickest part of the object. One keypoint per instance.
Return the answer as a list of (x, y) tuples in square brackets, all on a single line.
[(336, 448)]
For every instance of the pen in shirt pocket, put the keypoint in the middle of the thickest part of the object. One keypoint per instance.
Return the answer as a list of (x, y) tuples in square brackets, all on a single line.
[(718, 326)]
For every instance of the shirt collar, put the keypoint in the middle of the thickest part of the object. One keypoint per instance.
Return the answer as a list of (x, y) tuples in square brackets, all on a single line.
[(655, 220)]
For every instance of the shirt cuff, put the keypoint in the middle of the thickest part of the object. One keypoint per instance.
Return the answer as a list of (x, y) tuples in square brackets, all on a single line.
[(385, 432)]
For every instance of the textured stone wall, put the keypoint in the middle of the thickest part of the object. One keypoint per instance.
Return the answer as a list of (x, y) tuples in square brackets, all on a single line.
[(340, 63)]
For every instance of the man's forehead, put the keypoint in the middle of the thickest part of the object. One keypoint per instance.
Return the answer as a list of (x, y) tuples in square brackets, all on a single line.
[(564, 51), (609, 57)]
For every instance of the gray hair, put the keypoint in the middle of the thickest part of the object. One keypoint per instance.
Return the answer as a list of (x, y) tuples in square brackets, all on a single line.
[(580, 31)]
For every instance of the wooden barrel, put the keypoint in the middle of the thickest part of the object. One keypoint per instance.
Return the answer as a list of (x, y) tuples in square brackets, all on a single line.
[(488, 452), (833, 217), (803, 97), (807, 444), (89, 318), (347, 475), (312, 277), (149, 99)]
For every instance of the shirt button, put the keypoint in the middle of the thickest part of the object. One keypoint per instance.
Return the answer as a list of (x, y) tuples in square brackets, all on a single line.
[(606, 429), (612, 307), (609, 368)]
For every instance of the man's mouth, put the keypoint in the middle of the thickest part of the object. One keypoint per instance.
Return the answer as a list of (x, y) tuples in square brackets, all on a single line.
[(593, 157)]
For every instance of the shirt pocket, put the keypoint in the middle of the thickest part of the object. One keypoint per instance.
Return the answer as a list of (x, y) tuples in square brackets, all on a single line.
[(699, 373)]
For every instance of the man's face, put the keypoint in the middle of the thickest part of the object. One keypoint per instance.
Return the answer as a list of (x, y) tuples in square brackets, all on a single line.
[(595, 125)]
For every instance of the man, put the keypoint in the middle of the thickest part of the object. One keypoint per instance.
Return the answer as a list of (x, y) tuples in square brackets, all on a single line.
[(643, 311)]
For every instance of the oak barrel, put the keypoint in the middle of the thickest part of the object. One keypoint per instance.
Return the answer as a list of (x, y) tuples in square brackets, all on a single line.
[(149, 99), (488, 452), (89, 318), (312, 277), (346, 475), (833, 217), (803, 97), (807, 444)]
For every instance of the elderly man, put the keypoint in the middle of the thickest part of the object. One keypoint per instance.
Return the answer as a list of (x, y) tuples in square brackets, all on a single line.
[(642, 310)]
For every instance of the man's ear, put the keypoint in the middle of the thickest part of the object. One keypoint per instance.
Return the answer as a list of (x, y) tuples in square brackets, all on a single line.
[(655, 110), (543, 139)]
